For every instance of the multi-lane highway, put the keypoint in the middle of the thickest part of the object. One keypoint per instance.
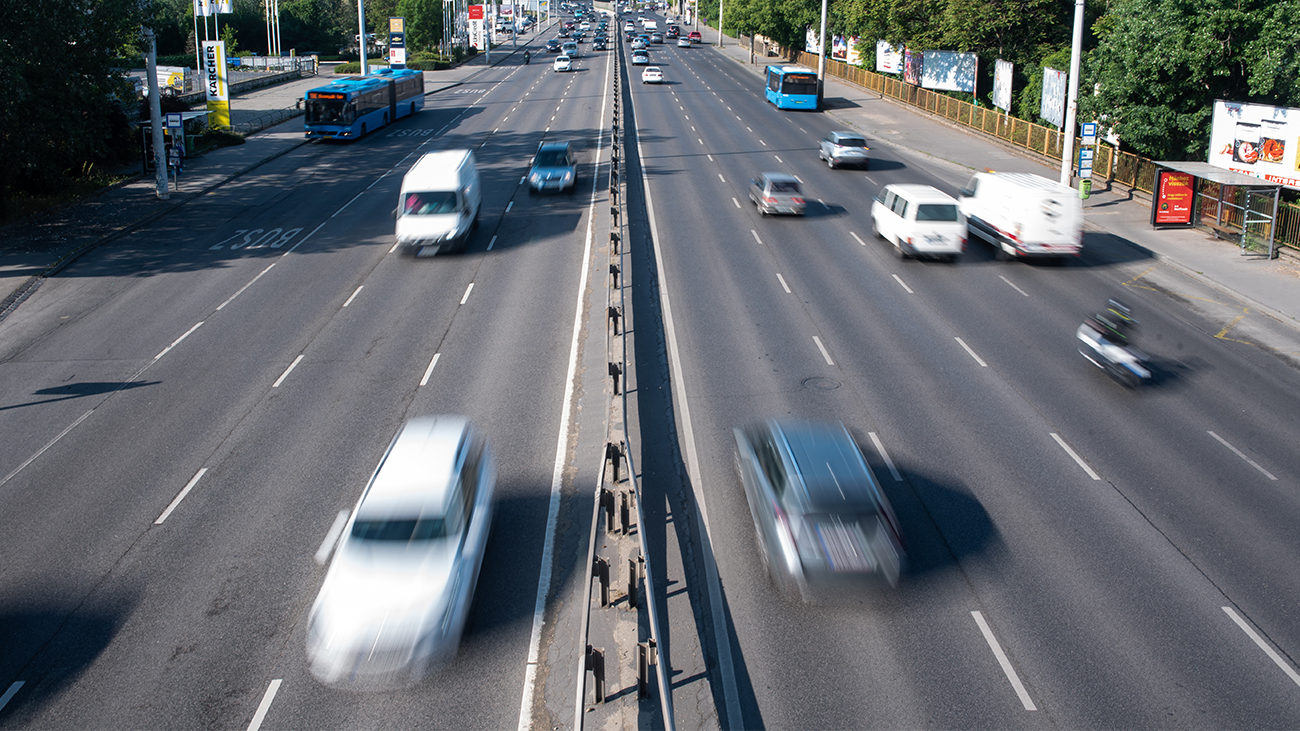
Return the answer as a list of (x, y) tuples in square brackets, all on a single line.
[(187, 412), (1106, 542)]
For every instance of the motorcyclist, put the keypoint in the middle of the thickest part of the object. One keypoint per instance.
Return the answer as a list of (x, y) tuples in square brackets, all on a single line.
[(527, 57), (1108, 334), (1115, 323)]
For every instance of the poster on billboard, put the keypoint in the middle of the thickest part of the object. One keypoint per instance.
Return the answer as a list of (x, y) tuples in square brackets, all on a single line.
[(1174, 200), (1258, 140), (812, 41), (1002, 84), (845, 48), (913, 61), (889, 60), (397, 43), (214, 77), (477, 27), (1052, 107), (949, 71)]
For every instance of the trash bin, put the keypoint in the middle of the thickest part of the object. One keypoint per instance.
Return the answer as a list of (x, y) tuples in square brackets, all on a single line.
[(1085, 188)]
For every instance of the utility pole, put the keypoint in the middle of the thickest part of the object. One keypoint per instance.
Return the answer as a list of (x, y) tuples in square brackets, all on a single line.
[(719, 23), (155, 115), (821, 58), (1072, 101), (361, 33)]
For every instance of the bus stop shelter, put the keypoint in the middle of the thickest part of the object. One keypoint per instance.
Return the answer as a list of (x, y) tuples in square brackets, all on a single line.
[(1232, 205)]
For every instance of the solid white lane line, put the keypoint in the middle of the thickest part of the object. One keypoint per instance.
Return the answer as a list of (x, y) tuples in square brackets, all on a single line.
[(1075, 456), (756, 238), (468, 289), (978, 359), (287, 371), (822, 348), (902, 283), (429, 371), (395, 245), (491, 243), (49, 444), (1004, 662), (354, 295), (254, 279), (1239, 453), (181, 495), (332, 537), (562, 439), (733, 200), (9, 694), (1013, 286), (880, 447), (265, 705), (510, 205), (855, 236), (785, 286), (176, 342), (1272, 655)]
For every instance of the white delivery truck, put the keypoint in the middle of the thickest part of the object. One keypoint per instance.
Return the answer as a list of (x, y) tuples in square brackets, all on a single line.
[(649, 26), (439, 203), (1024, 215)]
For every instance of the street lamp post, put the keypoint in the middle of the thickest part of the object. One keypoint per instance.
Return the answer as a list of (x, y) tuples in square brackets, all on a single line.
[(1072, 101), (821, 57), (361, 33)]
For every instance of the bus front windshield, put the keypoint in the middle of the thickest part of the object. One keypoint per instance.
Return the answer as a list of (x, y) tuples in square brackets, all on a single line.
[(799, 84), (328, 111)]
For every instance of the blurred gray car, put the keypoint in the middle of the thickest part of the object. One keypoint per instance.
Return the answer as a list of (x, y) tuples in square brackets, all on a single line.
[(844, 148), (820, 517), (553, 168), (777, 193)]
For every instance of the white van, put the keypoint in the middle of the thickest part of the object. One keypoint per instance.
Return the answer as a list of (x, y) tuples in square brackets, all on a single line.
[(1022, 214), (649, 26), (439, 203), (919, 221)]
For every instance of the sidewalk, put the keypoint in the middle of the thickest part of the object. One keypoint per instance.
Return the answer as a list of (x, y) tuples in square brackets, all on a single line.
[(41, 245), (1272, 287)]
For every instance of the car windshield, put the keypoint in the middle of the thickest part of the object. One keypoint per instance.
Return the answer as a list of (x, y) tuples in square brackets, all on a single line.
[(784, 186), (428, 204), (407, 530), (936, 212), (551, 159), (851, 142)]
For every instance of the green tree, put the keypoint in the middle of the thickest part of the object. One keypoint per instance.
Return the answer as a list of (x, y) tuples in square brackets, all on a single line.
[(423, 23), (58, 62)]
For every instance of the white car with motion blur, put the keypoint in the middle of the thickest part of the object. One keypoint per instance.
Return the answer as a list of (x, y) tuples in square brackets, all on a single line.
[(652, 75), (398, 592), (562, 63)]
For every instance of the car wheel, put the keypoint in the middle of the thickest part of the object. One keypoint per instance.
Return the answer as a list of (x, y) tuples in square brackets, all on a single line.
[(875, 231), (830, 163)]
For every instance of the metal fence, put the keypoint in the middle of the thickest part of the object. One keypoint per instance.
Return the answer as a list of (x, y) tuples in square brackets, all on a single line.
[(1110, 166)]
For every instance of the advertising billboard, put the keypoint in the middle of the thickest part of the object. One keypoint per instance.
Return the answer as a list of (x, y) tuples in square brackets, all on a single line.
[(1002, 71), (1258, 140), (1174, 200), (889, 60), (1052, 107), (214, 78), (812, 41), (912, 63), (949, 71), (845, 48), (477, 29), (397, 43)]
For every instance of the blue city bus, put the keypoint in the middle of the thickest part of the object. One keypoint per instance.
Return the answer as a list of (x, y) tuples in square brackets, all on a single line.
[(792, 87), (350, 107)]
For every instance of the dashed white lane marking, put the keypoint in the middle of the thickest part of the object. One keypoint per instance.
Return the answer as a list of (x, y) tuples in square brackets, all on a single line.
[(287, 371), (903, 284), (1239, 453), (1272, 655), (822, 348), (468, 289), (9, 694), (978, 359), (354, 295), (332, 537), (181, 495), (491, 243), (1004, 662), (880, 447), (751, 129), (510, 205), (778, 159), (709, 156), (265, 705), (855, 236), (784, 286), (756, 238), (176, 342), (697, 139), (395, 245), (721, 178), (429, 371), (764, 144), (1075, 456), (733, 200), (1013, 286)]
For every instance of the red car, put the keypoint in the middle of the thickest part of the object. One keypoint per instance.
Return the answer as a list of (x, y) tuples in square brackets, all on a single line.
[(695, 37)]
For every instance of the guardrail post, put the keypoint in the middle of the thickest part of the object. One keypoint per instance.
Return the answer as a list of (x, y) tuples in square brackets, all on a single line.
[(613, 241), (607, 502), (615, 372), (614, 452), (647, 656), (614, 314), (596, 666), (624, 512), (634, 580), (600, 572), (613, 273)]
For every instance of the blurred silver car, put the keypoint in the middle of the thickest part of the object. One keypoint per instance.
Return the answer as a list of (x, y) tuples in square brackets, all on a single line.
[(844, 148), (397, 594), (777, 193), (821, 518)]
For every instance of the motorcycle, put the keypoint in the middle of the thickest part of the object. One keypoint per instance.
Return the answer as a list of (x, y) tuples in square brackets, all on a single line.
[(1103, 341), (527, 58)]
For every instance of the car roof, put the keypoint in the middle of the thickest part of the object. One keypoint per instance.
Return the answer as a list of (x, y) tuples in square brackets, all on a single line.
[(781, 178), (436, 171), (921, 193), (829, 465), (845, 134), (418, 472)]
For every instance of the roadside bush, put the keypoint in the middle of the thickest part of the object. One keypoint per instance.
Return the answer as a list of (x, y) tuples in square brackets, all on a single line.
[(354, 67)]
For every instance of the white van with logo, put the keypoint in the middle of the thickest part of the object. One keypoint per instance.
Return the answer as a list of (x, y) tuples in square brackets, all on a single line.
[(919, 221), (439, 203), (1024, 215)]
